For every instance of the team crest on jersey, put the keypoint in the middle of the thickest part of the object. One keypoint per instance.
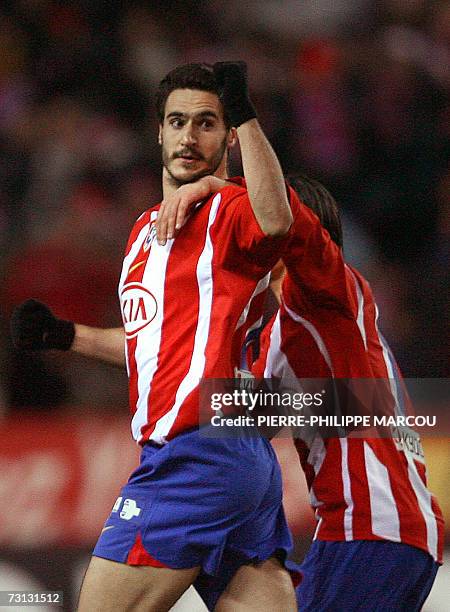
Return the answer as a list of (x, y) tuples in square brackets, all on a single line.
[(150, 236), (139, 308)]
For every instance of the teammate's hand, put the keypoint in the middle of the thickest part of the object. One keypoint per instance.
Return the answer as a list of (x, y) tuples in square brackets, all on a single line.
[(175, 209), (231, 79), (35, 328)]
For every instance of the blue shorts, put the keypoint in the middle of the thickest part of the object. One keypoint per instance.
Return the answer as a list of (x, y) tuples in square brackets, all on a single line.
[(197, 501), (370, 576), (210, 588)]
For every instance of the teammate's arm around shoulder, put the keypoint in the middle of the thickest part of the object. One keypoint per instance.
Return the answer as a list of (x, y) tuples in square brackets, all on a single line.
[(263, 174), (34, 327), (175, 208)]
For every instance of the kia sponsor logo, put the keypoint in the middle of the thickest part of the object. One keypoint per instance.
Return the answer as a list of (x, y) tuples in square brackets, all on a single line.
[(139, 308)]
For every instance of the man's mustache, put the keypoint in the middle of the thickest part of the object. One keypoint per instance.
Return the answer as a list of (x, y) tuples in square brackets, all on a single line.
[(187, 153)]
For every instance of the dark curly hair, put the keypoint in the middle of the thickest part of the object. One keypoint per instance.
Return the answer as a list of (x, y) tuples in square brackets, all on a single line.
[(189, 76), (321, 202)]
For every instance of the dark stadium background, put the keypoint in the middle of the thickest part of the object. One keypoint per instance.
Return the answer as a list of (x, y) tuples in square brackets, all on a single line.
[(352, 92)]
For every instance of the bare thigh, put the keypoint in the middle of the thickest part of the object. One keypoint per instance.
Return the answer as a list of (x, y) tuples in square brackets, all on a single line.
[(259, 588), (109, 586)]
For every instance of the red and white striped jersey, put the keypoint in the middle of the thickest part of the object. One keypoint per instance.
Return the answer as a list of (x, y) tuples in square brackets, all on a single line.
[(185, 307), (361, 488)]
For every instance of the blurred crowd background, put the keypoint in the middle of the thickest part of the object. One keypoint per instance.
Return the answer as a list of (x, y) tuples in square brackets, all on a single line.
[(352, 92)]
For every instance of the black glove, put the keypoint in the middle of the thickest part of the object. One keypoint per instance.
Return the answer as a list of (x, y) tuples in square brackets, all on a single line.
[(35, 328), (231, 79)]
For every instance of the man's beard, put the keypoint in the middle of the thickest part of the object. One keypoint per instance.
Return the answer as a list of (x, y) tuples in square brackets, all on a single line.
[(212, 164)]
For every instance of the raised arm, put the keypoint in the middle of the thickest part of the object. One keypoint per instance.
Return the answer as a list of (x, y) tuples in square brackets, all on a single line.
[(35, 328), (262, 171), (265, 183)]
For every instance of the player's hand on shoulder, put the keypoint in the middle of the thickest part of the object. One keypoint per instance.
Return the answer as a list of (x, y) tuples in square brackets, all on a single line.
[(34, 328), (175, 209), (231, 79)]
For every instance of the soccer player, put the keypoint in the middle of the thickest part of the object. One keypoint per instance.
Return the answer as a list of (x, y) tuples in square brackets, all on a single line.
[(194, 500), (379, 534)]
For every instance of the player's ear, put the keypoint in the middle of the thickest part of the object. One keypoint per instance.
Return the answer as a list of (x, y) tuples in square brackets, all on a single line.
[(160, 139), (232, 137)]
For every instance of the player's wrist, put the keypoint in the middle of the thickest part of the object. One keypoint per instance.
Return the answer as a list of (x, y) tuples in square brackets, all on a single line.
[(231, 78), (242, 113), (61, 337), (215, 183), (206, 185)]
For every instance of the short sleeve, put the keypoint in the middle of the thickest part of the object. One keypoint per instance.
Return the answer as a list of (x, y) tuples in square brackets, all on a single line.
[(317, 274), (240, 238)]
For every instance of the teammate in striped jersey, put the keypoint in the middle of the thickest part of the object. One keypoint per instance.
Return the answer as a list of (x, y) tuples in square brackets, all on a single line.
[(185, 298), (379, 535)]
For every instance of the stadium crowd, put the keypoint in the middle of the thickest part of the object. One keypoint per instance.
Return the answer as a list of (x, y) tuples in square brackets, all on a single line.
[(355, 93)]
